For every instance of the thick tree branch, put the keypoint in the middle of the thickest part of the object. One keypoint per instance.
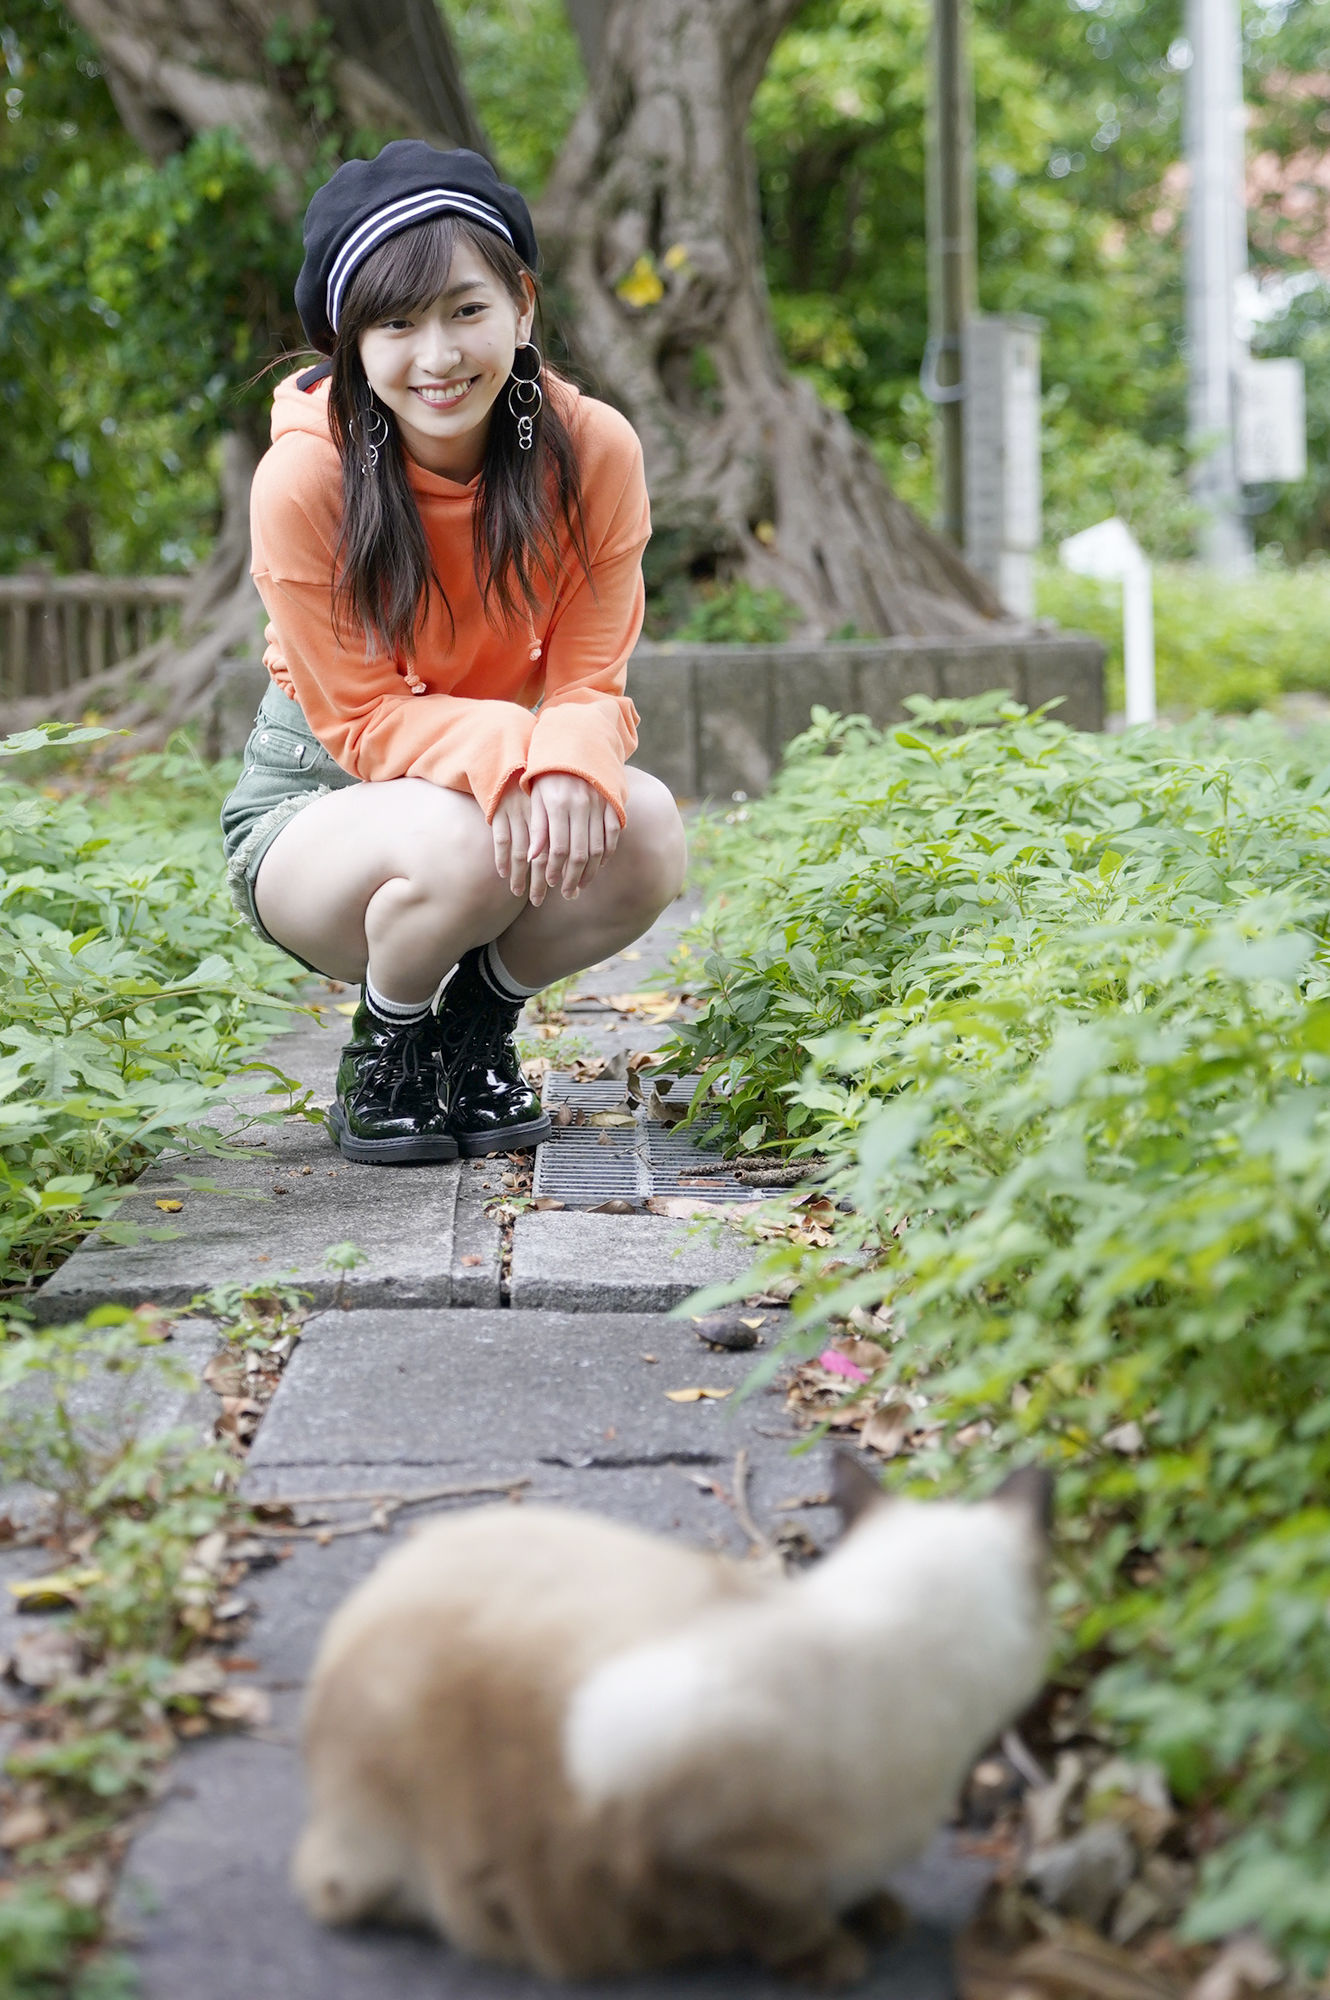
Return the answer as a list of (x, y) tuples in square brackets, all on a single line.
[(650, 219), (587, 18), (410, 49)]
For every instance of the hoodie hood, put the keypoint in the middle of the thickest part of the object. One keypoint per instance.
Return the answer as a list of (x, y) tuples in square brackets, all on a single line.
[(297, 409)]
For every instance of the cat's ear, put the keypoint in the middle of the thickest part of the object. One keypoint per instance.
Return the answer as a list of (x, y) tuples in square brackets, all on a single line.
[(1030, 1488), (853, 1487)]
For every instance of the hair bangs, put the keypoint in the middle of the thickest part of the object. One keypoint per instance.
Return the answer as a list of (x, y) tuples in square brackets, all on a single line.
[(406, 273)]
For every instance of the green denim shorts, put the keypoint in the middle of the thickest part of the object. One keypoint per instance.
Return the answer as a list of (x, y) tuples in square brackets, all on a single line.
[(285, 768)]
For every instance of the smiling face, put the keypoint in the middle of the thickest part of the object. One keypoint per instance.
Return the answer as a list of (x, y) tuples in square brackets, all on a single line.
[(441, 367)]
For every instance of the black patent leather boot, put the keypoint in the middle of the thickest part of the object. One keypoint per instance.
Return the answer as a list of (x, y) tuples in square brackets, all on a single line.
[(491, 1106), (391, 1108)]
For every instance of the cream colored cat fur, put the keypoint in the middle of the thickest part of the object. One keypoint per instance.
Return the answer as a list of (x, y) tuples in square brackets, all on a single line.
[(574, 1747)]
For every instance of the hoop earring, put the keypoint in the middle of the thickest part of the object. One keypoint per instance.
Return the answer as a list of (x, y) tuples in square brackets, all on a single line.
[(370, 442), (526, 398)]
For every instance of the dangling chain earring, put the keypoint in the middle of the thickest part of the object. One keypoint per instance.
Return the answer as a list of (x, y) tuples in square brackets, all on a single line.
[(371, 442), (526, 399)]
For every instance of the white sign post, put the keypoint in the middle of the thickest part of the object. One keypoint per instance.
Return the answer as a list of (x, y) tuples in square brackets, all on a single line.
[(1111, 552), (1272, 422)]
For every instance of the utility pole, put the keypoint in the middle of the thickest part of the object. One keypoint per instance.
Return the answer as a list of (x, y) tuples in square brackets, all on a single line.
[(952, 282), (1216, 258)]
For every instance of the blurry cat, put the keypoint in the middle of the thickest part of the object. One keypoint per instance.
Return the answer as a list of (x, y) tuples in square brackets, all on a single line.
[(574, 1747)]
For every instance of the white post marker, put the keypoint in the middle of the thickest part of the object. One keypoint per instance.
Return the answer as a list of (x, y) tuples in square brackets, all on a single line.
[(1111, 552)]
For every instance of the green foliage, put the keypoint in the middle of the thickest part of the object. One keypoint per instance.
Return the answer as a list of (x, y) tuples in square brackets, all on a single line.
[(1220, 644), (524, 73), (1060, 1007), (130, 996), (1077, 118), (137, 303), (41, 1933), (1090, 474), (140, 1510), (735, 614)]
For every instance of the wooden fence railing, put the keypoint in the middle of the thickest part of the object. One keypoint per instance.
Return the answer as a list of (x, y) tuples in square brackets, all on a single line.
[(56, 631)]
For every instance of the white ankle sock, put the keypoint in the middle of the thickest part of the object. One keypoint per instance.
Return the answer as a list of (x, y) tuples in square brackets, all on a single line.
[(498, 978), (401, 1013)]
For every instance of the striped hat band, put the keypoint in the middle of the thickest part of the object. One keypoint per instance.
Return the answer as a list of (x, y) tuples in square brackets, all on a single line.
[(398, 215)]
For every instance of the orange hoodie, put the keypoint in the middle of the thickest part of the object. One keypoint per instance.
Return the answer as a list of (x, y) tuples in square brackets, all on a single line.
[(480, 705)]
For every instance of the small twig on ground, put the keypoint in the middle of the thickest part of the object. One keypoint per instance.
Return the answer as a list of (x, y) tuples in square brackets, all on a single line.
[(1021, 1760), (741, 1508), (384, 1506), (758, 1171)]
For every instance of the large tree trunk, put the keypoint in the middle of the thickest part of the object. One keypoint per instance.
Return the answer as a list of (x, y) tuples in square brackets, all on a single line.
[(650, 221), (180, 67)]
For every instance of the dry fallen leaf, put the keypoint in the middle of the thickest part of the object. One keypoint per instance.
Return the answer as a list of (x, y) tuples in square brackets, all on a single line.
[(612, 1118), (542, 1201), (471, 1259), (1244, 1966), (169, 1207), (200, 1676), (55, 1592), (698, 1395), (248, 1706), (685, 1207), (44, 1658), (24, 1825), (346, 1006), (617, 1206), (887, 1428)]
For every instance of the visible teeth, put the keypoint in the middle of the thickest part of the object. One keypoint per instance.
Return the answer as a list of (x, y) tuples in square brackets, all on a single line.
[(439, 397)]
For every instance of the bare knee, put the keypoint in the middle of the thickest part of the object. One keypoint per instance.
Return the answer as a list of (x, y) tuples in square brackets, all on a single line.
[(448, 863), (653, 849)]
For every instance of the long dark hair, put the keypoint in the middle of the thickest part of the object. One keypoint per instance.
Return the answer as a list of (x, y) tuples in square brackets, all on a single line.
[(383, 573)]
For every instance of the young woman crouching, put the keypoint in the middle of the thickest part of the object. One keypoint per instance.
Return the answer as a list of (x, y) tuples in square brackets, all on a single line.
[(448, 541)]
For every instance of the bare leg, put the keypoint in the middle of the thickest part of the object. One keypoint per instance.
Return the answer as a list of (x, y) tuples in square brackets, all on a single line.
[(644, 874), (398, 877)]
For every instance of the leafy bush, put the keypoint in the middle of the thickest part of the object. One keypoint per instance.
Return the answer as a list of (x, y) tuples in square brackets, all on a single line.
[(1059, 1008), (1090, 474), (1219, 644), (136, 1539), (130, 993), (734, 614)]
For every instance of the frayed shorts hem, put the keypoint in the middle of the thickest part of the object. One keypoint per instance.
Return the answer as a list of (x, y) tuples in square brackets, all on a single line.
[(242, 866)]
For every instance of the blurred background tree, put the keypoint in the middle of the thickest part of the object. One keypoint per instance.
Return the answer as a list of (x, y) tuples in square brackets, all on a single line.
[(142, 297)]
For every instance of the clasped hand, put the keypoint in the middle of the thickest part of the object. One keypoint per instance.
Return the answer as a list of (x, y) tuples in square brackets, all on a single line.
[(558, 836)]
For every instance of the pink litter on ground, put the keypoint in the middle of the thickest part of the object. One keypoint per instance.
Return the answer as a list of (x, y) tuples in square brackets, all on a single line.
[(837, 1364)]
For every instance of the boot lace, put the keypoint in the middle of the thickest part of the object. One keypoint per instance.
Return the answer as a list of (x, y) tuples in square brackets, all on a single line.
[(398, 1065)]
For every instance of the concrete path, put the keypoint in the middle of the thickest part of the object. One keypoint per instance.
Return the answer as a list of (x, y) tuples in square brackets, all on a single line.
[(454, 1361)]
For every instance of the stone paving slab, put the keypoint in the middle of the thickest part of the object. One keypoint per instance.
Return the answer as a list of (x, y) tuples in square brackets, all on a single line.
[(578, 1261), (293, 1600), (206, 1900), (204, 1895), (285, 1202), (496, 1392)]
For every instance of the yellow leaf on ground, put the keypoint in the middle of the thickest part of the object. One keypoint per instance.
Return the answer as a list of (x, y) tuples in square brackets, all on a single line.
[(169, 1207), (698, 1395), (53, 1592), (347, 1006)]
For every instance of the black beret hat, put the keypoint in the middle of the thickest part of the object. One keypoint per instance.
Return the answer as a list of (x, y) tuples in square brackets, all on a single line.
[(367, 201)]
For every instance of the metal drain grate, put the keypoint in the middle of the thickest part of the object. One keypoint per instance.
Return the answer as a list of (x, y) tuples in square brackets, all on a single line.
[(585, 1165)]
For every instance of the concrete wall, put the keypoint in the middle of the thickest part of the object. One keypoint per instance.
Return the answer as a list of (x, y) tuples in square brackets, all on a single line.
[(716, 718)]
